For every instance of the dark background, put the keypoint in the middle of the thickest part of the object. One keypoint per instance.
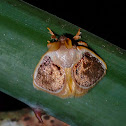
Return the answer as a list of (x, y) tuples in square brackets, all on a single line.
[(104, 19)]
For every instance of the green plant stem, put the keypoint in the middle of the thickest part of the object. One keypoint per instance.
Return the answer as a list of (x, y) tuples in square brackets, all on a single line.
[(23, 40)]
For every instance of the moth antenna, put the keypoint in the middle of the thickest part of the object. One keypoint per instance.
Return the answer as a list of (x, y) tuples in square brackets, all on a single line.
[(77, 36), (50, 31), (53, 35)]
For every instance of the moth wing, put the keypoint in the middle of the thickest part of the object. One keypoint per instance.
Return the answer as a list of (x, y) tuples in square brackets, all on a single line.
[(88, 71), (48, 76)]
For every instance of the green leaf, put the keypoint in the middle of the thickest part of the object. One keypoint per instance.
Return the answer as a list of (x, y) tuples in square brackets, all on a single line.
[(23, 40)]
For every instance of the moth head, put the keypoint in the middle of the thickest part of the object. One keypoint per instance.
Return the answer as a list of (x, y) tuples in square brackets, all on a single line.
[(64, 41)]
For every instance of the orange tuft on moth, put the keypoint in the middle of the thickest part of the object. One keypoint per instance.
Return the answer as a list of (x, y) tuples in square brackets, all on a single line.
[(66, 69)]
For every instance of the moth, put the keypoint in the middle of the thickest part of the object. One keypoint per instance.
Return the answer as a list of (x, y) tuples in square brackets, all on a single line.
[(68, 68)]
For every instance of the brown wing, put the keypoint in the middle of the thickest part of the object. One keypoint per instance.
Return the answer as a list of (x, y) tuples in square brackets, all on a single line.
[(50, 77), (88, 71)]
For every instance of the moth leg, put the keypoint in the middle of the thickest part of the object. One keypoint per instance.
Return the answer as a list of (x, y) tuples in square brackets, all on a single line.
[(77, 36), (38, 113), (53, 35), (82, 43), (48, 41)]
